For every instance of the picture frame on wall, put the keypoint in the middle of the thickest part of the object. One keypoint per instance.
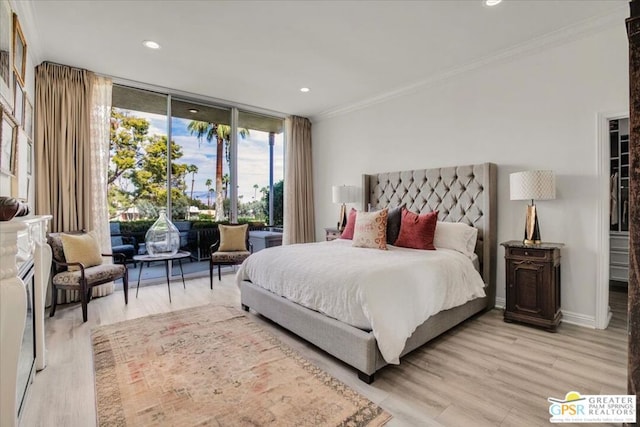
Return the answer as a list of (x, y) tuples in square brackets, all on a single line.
[(28, 117), (29, 157), (18, 103), (8, 138), (19, 51), (6, 55), (21, 169)]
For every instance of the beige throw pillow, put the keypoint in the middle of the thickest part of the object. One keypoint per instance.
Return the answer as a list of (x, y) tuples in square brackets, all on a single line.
[(233, 237), (371, 230), (82, 248)]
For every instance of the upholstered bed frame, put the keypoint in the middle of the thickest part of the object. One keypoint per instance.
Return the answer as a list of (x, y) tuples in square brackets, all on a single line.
[(460, 194)]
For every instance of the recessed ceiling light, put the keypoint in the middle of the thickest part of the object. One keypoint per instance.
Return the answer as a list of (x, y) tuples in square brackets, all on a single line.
[(304, 89), (193, 110), (151, 44), (492, 2)]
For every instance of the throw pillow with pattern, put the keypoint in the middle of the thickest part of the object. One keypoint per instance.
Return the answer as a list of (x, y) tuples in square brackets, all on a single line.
[(370, 230)]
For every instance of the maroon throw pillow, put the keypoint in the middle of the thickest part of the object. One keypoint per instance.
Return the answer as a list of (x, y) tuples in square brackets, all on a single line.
[(417, 231), (347, 233)]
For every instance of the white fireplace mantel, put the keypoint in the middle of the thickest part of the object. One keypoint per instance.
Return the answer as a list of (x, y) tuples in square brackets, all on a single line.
[(21, 240)]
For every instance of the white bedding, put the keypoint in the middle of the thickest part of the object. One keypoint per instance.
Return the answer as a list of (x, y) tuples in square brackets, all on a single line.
[(389, 292)]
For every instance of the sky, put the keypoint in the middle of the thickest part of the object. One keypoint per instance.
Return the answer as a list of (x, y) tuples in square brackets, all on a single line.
[(253, 157)]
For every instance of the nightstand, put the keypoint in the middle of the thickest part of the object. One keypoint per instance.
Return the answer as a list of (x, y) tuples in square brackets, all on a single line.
[(533, 284), (332, 234)]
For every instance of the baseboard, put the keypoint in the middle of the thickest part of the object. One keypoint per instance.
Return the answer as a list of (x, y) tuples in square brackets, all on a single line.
[(579, 319), (567, 316)]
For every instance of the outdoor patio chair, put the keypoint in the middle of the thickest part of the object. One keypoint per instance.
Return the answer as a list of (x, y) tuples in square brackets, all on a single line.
[(122, 244), (232, 248)]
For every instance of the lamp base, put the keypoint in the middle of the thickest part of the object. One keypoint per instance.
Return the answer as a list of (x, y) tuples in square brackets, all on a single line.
[(342, 219), (531, 227), (531, 242)]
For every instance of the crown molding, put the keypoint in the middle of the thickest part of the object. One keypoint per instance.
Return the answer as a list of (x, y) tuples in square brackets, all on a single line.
[(556, 38), (24, 10)]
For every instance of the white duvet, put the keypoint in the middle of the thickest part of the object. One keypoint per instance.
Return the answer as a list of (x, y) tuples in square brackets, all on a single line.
[(389, 292)]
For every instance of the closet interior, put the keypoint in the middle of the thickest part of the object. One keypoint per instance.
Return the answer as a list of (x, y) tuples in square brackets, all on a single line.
[(619, 203)]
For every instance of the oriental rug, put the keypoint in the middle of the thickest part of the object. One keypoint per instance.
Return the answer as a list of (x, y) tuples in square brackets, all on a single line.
[(213, 366)]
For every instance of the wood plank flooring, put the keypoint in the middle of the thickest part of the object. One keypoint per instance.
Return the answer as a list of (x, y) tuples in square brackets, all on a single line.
[(483, 373)]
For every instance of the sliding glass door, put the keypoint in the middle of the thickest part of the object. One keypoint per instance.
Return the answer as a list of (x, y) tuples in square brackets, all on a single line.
[(200, 179), (260, 168), (137, 180), (203, 163)]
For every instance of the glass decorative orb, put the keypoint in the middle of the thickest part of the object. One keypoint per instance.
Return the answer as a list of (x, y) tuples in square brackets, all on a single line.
[(163, 238)]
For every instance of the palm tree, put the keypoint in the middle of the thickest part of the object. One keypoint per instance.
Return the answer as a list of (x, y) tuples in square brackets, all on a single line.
[(192, 169), (225, 184), (222, 134), (208, 184), (255, 190)]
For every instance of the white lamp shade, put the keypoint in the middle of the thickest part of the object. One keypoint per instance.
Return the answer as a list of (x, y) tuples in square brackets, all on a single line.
[(344, 194), (532, 185)]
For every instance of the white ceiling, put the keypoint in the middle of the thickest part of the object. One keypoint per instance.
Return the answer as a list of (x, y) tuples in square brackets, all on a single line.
[(260, 53)]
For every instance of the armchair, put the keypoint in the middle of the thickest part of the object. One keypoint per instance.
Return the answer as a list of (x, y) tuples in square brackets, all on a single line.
[(125, 245), (232, 248), (80, 276)]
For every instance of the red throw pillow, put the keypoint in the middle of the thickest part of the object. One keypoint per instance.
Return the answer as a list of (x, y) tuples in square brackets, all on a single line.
[(347, 233), (417, 231)]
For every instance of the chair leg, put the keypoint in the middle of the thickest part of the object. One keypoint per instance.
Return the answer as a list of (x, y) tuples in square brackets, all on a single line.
[(83, 300), (211, 274), (54, 300), (219, 274), (125, 286)]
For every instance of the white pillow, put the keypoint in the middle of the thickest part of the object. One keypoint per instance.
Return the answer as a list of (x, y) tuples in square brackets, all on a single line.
[(457, 236)]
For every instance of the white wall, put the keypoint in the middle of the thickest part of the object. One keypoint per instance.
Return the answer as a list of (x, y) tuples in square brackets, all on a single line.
[(538, 111)]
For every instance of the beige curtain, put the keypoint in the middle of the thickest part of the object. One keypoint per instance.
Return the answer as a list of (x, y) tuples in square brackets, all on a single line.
[(299, 222), (99, 154), (63, 112), (65, 174)]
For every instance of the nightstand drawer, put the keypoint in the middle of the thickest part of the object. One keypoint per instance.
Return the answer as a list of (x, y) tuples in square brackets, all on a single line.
[(530, 253)]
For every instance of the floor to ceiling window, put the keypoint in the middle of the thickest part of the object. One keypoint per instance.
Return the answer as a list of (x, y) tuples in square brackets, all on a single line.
[(201, 134), (176, 154), (260, 167), (137, 183)]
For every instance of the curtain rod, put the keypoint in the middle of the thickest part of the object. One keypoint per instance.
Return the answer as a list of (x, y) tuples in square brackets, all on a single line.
[(65, 65)]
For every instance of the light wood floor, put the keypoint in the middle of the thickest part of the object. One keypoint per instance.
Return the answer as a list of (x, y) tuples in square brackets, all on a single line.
[(483, 373)]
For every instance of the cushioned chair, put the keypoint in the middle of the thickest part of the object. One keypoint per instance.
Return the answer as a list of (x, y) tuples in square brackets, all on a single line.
[(75, 276), (232, 248), (122, 244)]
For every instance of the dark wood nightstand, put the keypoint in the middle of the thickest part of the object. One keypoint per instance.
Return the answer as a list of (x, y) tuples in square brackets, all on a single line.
[(533, 283), (332, 234)]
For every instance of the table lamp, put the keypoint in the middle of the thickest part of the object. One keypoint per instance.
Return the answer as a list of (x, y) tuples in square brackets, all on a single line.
[(532, 185), (343, 194)]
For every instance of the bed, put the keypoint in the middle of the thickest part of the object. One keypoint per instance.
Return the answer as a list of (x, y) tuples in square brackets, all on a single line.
[(460, 194)]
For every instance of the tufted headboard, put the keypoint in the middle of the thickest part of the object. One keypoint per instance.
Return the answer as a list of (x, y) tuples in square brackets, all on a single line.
[(460, 193)]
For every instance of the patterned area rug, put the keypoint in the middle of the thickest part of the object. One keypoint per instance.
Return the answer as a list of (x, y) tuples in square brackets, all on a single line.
[(212, 365)]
